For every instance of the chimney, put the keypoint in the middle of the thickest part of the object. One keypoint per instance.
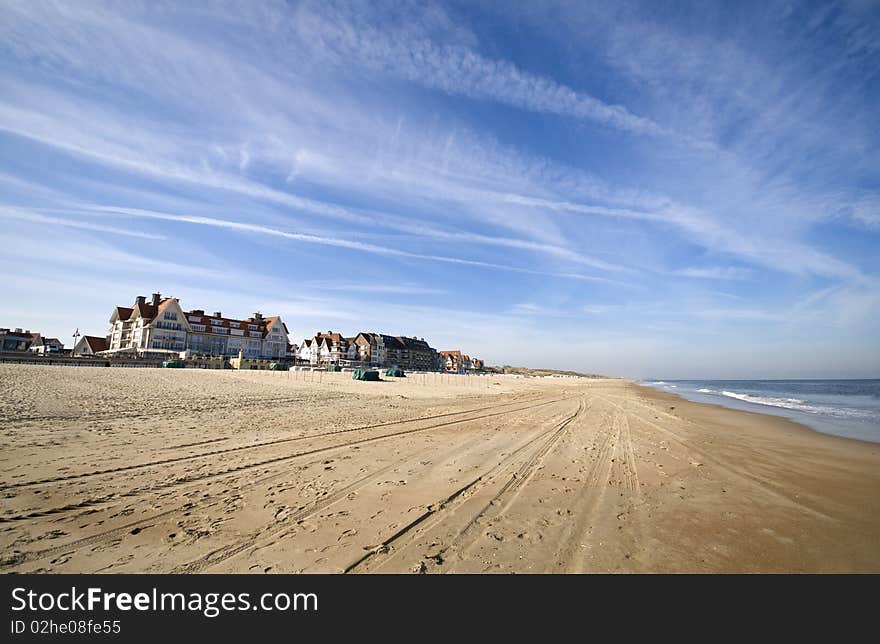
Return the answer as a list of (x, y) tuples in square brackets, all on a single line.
[(156, 297), (140, 299), (258, 316), (18, 329), (199, 312), (217, 314)]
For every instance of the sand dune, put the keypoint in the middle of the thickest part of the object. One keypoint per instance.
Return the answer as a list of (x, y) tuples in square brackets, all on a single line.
[(116, 470)]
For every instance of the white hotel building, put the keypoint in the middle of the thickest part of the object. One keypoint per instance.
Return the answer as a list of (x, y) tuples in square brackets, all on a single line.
[(162, 327)]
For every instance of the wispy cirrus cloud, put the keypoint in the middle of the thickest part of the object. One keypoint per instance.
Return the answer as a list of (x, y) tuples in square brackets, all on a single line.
[(715, 272), (21, 215), (780, 254), (245, 227), (346, 35)]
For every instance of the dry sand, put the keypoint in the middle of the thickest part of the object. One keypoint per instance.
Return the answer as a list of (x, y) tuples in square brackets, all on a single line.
[(146, 470)]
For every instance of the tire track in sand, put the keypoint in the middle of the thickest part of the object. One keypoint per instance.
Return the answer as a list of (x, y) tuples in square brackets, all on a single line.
[(20, 558), (444, 506), (765, 484), (278, 528), (240, 448), (186, 480), (592, 495)]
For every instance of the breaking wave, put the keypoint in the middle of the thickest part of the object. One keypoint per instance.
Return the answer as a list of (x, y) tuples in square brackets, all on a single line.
[(791, 403)]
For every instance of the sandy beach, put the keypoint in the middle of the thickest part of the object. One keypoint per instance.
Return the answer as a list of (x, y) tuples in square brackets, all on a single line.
[(189, 471)]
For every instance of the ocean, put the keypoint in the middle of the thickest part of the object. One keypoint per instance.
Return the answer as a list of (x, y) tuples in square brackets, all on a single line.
[(848, 408)]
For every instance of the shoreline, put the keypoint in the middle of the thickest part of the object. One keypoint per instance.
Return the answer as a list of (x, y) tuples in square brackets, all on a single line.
[(784, 421), (824, 424), (196, 471)]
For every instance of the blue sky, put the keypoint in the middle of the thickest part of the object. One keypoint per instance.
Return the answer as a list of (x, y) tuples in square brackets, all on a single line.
[(644, 189)]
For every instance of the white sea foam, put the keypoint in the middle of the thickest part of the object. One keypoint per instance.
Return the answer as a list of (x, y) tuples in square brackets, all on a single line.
[(835, 407), (795, 404), (792, 403)]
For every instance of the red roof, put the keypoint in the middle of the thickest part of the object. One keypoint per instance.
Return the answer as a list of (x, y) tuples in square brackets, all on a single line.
[(95, 343)]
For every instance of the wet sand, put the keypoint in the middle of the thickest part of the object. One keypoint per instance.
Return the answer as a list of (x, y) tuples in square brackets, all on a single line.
[(146, 470)]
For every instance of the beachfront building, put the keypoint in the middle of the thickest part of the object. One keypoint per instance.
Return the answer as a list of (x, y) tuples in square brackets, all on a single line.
[(370, 348), (44, 346), (16, 339), (308, 351), (90, 345), (255, 337), (162, 327), (328, 348), (332, 348), (410, 353), (458, 362), (451, 361), (380, 349), (157, 326), (25, 340)]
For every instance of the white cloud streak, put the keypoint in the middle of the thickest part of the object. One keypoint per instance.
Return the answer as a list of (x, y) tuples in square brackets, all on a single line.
[(21, 215), (337, 242), (347, 37)]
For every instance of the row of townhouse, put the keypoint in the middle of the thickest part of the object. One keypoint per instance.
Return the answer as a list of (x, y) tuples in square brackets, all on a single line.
[(458, 362), (373, 349), (24, 340), (161, 327)]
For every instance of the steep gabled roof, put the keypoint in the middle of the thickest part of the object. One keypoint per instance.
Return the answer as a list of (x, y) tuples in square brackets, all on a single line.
[(121, 313), (142, 310), (272, 321), (95, 343)]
